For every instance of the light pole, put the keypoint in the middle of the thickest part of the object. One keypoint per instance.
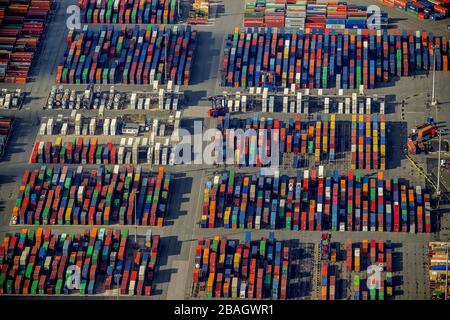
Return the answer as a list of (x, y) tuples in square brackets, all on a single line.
[(446, 274), (135, 217), (433, 94), (438, 191)]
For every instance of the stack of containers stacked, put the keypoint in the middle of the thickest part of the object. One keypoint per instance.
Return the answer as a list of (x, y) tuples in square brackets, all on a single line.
[(199, 13), (128, 11), (274, 15), (293, 136), (89, 151), (316, 16), (37, 261), (237, 202), (138, 271), (254, 14), (365, 254), (21, 26), (295, 15), (105, 196), (256, 57), (336, 16), (130, 55), (370, 151), (254, 269)]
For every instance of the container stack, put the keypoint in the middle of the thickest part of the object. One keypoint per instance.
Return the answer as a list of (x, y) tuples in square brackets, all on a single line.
[(301, 14), (438, 266), (36, 261), (129, 55), (350, 202), (89, 151), (252, 270), (139, 271), (422, 9), (365, 254), (368, 142), (108, 195), (6, 126), (128, 11), (254, 144), (327, 58), (22, 24)]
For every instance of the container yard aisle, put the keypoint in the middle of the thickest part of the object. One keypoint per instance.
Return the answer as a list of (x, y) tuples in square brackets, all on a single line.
[(206, 71)]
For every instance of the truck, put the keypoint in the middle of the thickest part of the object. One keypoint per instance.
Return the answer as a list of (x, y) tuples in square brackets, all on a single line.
[(417, 141)]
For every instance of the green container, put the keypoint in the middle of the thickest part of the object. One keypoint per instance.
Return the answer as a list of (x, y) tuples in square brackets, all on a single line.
[(45, 215), (34, 286), (83, 286), (358, 76), (29, 271), (262, 248), (133, 16), (105, 75), (281, 212), (59, 285), (288, 223), (310, 147), (373, 294), (325, 77)]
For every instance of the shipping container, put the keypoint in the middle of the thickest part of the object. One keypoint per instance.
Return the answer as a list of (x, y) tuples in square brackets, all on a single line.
[(108, 195), (130, 55), (42, 261), (248, 269), (22, 25), (227, 204), (346, 67), (128, 12)]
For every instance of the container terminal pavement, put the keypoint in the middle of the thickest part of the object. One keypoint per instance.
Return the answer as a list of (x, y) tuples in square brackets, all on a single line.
[(89, 129)]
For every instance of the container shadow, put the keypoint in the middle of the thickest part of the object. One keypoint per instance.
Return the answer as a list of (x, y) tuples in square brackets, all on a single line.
[(169, 246), (397, 261), (397, 281), (193, 98), (203, 58), (179, 193), (300, 270), (397, 135), (13, 146)]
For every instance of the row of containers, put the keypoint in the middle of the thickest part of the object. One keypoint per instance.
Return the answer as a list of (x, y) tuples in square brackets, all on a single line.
[(242, 142), (250, 141), (44, 262), (315, 201), (301, 14), (22, 24), (328, 58), (89, 151), (423, 9), (359, 257), (438, 264), (225, 268), (128, 11), (128, 55), (109, 195)]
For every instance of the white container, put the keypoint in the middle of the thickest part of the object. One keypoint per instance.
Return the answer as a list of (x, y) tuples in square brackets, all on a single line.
[(64, 129), (43, 129)]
